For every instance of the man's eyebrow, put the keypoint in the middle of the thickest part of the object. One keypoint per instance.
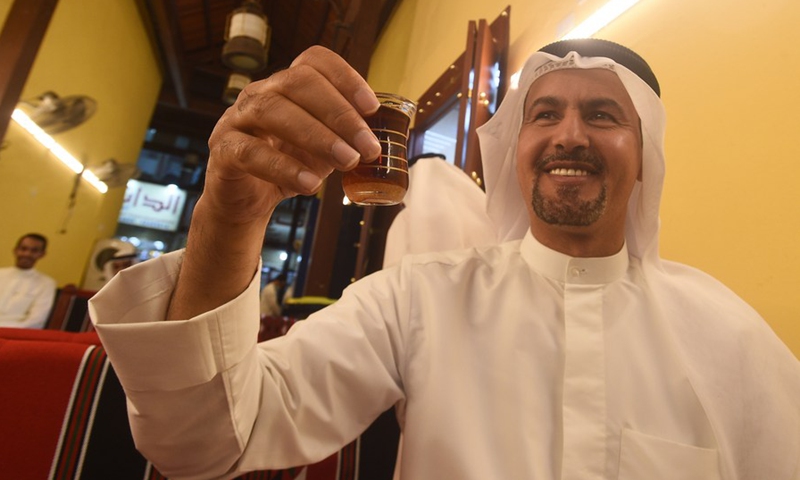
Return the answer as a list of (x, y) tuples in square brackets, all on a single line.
[(548, 100), (589, 104), (602, 102)]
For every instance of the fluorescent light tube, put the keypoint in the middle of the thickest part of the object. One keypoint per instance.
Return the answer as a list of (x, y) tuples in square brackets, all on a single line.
[(596, 21), (599, 19), (60, 153)]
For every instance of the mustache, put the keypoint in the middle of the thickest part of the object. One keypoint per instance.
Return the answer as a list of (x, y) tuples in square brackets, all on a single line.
[(577, 156)]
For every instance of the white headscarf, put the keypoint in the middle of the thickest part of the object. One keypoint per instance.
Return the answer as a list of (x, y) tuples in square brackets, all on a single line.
[(498, 141)]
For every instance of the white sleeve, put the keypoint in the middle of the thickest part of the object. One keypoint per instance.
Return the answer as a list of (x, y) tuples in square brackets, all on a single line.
[(205, 401), (39, 311)]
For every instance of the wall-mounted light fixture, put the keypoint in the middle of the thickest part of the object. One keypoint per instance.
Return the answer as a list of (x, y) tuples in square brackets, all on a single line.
[(247, 36)]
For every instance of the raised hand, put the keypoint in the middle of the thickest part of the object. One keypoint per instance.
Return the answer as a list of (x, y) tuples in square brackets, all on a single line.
[(281, 137), (286, 133)]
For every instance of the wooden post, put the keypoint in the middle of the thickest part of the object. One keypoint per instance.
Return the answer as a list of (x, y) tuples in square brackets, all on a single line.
[(20, 39), (357, 51)]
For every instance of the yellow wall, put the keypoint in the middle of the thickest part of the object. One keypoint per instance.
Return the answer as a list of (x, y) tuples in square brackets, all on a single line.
[(5, 6), (96, 48), (730, 75)]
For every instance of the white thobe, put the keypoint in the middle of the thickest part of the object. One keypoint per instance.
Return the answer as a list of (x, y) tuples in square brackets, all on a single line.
[(26, 297), (507, 362)]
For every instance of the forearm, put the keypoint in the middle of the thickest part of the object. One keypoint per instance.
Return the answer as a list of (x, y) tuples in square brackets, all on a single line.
[(220, 260)]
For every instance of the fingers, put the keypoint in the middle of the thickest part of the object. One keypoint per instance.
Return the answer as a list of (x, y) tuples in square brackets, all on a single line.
[(339, 73), (293, 128), (293, 171), (316, 118), (317, 104)]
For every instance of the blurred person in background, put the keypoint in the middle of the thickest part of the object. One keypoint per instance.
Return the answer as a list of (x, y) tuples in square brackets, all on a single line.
[(272, 297), (26, 295)]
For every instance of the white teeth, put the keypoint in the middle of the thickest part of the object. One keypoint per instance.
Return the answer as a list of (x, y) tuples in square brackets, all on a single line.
[(569, 172)]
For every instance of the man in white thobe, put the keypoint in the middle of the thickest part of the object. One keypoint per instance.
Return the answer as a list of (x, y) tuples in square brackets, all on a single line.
[(568, 350), (271, 298), (449, 204), (26, 294)]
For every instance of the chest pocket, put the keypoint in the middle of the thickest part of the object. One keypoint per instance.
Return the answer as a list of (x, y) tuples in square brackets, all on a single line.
[(643, 456)]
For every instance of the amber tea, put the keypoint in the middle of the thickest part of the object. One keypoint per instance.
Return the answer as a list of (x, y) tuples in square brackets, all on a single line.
[(384, 181)]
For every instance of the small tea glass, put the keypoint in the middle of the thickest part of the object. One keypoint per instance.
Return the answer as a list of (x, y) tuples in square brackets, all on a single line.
[(385, 181)]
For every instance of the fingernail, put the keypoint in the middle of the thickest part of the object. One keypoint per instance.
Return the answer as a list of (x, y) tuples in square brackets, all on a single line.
[(308, 180), (366, 143), (344, 154), (366, 100)]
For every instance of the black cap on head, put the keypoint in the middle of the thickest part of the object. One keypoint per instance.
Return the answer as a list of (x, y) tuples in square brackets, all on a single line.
[(595, 47)]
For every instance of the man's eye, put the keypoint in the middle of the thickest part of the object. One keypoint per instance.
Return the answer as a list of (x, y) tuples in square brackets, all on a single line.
[(544, 116), (539, 117), (601, 116)]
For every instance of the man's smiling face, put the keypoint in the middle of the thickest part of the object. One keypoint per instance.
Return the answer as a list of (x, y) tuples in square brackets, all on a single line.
[(27, 252), (579, 154)]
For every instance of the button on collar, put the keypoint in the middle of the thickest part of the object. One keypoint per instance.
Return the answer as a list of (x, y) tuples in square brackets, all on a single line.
[(579, 270), (576, 272)]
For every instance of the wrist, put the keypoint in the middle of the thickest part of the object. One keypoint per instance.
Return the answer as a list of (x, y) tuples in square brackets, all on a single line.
[(222, 255)]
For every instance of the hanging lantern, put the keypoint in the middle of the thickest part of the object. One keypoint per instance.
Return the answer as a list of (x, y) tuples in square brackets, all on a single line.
[(247, 36), (236, 83)]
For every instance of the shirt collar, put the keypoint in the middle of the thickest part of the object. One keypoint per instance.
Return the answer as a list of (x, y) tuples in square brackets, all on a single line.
[(24, 271), (577, 270)]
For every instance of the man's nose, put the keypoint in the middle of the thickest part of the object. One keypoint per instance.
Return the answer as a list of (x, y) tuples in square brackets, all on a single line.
[(571, 133)]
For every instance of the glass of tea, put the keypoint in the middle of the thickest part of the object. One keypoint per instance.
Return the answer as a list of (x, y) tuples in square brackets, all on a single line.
[(384, 181)]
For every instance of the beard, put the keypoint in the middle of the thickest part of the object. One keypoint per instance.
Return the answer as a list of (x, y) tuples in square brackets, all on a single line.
[(567, 208)]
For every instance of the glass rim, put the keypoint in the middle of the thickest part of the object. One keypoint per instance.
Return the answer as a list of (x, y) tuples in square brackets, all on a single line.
[(404, 103)]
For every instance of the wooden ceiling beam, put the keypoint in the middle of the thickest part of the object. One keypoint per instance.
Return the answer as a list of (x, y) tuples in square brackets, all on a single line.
[(207, 18), (170, 118), (168, 32), (386, 12), (361, 24), (197, 105)]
